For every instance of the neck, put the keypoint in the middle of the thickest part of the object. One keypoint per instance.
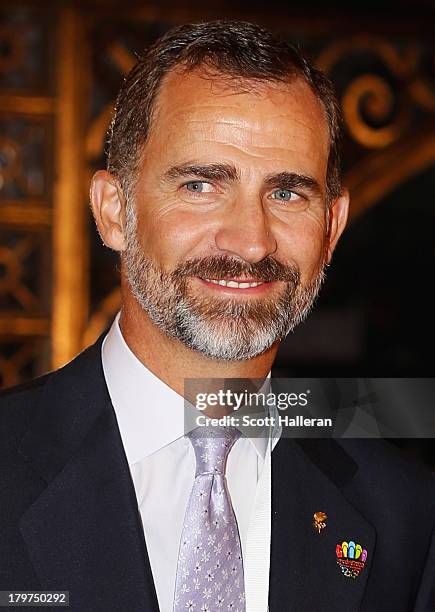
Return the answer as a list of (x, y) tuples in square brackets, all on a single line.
[(173, 362)]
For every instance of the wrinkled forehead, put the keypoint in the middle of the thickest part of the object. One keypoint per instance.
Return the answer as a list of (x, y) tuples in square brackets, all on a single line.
[(276, 111)]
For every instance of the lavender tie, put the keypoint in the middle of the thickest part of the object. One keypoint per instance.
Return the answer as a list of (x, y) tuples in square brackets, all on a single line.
[(210, 567)]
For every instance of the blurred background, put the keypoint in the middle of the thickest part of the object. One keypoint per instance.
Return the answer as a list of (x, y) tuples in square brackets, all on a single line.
[(61, 64)]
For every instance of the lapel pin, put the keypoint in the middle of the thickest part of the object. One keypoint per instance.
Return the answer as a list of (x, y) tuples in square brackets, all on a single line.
[(319, 521), (351, 558)]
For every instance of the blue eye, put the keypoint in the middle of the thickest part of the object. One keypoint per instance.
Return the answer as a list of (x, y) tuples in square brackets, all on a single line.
[(197, 191), (195, 186), (283, 195)]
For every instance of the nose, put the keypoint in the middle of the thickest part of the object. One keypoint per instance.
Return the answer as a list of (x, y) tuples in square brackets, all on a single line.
[(246, 233)]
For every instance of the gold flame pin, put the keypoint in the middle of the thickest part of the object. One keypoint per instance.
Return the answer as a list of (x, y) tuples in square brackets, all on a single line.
[(319, 521)]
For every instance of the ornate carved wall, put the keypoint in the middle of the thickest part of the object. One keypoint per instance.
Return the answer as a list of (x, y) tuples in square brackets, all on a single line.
[(60, 68)]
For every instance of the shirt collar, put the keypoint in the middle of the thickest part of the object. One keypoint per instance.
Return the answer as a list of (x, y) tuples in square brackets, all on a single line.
[(149, 413)]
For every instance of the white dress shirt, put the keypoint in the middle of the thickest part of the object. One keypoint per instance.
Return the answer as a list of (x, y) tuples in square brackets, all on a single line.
[(150, 417)]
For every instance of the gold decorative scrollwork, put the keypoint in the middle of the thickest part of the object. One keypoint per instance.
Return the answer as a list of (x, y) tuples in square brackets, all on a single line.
[(378, 174), (401, 64), (11, 260), (422, 93), (423, 87), (370, 93), (22, 168), (124, 61), (375, 113)]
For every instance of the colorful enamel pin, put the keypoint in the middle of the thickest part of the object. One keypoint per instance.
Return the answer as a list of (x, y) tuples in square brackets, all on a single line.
[(319, 521), (351, 558)]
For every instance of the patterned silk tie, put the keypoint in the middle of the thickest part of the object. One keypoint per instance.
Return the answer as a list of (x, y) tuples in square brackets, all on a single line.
[(210, 567)]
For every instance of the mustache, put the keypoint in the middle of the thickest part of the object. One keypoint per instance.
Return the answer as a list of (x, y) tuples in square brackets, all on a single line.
[(220, 267)]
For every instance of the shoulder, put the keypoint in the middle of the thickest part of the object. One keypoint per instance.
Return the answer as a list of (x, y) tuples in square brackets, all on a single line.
[(18, 402), (380, 458), (390, 481), (16, 405), (10, 394), (22, 393)]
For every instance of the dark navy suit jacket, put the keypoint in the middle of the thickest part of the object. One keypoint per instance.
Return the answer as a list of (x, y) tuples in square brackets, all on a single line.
[(69, 518)]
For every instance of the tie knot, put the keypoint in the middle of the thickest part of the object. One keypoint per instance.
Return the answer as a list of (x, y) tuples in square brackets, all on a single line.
[(211, 446)]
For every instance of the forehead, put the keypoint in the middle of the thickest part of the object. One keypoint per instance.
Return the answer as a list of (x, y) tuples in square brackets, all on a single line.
[(256, 118)]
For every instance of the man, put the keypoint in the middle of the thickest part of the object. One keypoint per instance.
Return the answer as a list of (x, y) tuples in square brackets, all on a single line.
[(223, 198)]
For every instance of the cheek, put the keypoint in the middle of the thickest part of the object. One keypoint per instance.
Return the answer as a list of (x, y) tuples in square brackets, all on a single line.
[(303, 242), (171, 237)]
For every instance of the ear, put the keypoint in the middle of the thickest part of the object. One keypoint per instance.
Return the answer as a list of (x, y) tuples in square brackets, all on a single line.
[(338, 213), (108, 207)]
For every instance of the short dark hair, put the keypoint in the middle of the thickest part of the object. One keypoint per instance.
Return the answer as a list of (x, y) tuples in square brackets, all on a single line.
[(236, 49)]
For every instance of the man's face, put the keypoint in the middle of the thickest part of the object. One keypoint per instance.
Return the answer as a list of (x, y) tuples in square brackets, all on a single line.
[(227, 235)]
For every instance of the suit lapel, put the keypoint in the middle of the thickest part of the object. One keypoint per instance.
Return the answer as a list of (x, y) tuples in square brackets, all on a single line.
[(84, 532), (309, 476)]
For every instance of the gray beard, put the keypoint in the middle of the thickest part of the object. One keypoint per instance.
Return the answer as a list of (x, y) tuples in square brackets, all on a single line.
[(221, 329)]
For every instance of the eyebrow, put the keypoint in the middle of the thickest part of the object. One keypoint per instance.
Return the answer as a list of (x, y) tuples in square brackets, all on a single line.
[(215, 172), (229, 173), (293, 180)]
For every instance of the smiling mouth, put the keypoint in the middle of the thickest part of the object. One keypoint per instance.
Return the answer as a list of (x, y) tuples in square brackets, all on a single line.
[(235, 283)]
